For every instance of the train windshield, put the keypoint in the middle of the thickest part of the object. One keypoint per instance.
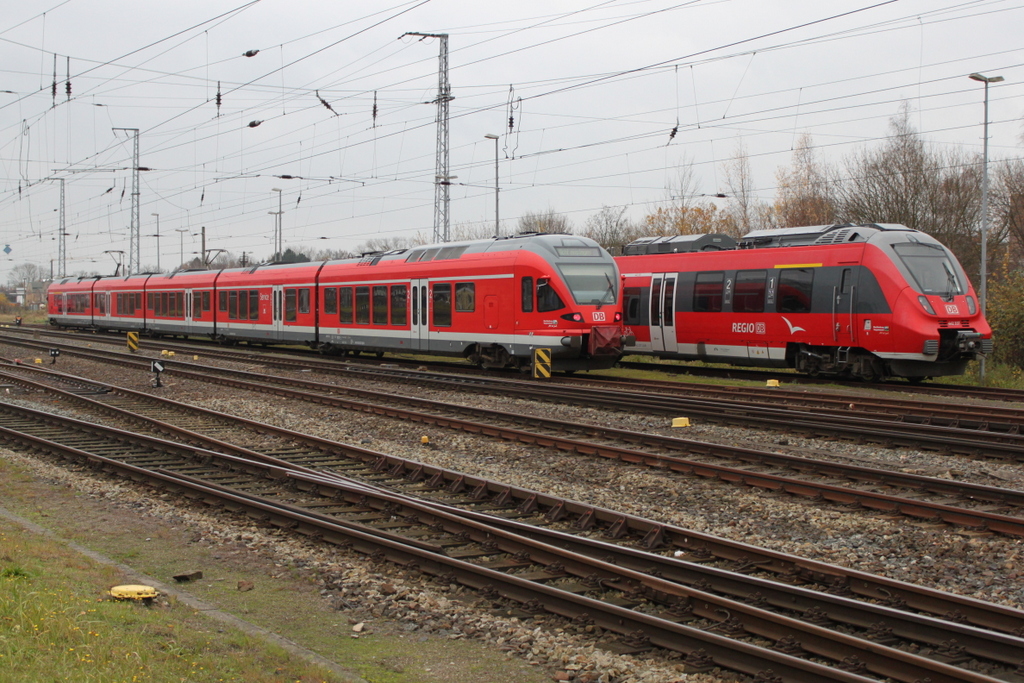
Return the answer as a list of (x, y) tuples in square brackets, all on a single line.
[(932, 268), (593, 284)]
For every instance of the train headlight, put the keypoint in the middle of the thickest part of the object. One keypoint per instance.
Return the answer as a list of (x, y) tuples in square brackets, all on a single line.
[(576, 317), (925, 305), (972, 307), (618, 317)]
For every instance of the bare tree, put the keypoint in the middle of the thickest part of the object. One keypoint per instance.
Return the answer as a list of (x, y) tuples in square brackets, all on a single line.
[(382, 244), (610, 228), (472, 231), (906, 181), (548, 221), (805, 195), (1007, 203), (27, 273), (745, 212)]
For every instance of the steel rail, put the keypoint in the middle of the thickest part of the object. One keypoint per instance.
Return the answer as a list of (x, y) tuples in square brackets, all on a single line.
[(946, 439), (733, 654), (555, 508), (963, 517)]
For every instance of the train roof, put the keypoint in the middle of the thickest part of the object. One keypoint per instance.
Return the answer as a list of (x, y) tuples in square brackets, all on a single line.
[(674, 244), (839, 233)]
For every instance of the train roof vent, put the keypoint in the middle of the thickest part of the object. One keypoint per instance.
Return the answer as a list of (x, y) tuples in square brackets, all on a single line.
[(674, 244), (371, 259), (436, 253), (834, 236), (809, 235)]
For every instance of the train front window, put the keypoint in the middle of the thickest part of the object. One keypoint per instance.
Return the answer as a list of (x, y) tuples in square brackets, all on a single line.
[(932, 269), (591, 284), (547, 298)]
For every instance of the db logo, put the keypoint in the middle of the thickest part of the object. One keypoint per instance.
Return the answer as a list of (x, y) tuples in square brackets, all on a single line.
[(951, 309), (599, 316)]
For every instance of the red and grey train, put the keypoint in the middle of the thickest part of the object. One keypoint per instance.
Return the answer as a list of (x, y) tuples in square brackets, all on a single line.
[(491, 301), (864, 301)]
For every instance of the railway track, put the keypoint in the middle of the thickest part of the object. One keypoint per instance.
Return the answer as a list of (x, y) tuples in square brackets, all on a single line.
[(913, 429), (715, 616), (178, 421), (677, 369), (855, 487)]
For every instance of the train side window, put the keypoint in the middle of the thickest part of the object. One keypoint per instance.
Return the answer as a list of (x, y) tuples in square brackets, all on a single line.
[(330, 300), (399, 304), (243, 305), (844, 284), (254, 304), (233, 305), (795, 287), (670, 299), (750, 291), (547, 298), (291, 304), (206, 301), (708, 290), (223, 296), (415, 307), (527, 298), (151, 300), (631, 304), (345, 305), (363, 305), (304, 300), (197, 304), (465, 297), (656, 301), (442, 297), (380, 305)]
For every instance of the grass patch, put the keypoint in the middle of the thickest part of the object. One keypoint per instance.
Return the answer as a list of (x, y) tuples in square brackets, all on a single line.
[(285, 600), (58, 624)]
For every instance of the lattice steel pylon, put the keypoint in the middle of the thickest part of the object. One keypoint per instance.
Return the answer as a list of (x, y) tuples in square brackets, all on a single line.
[(62, 249), (134, 263), (442, 181)]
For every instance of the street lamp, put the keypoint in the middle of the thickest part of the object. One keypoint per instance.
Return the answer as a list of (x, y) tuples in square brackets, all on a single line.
[(157, 235), (278, 224), (181, 245), (492, 136), (984, 204)]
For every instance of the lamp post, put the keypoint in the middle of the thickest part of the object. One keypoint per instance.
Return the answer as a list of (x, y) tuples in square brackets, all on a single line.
[(157, 235), (984, 204), (278, 224), (181, 245), (492, 136)]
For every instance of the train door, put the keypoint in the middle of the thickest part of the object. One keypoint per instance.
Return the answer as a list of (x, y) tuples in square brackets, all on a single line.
[(277, 317), (844, 301), (663, 297), (420, 315), (188, 312)]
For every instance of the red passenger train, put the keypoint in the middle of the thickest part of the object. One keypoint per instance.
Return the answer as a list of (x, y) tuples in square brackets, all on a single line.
[(865, 301), (491, 301)]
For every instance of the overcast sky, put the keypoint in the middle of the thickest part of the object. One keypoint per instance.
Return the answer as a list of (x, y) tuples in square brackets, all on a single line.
[(593, 89)]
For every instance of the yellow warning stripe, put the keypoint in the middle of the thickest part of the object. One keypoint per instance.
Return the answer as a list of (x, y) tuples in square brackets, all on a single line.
[(800, 265)]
